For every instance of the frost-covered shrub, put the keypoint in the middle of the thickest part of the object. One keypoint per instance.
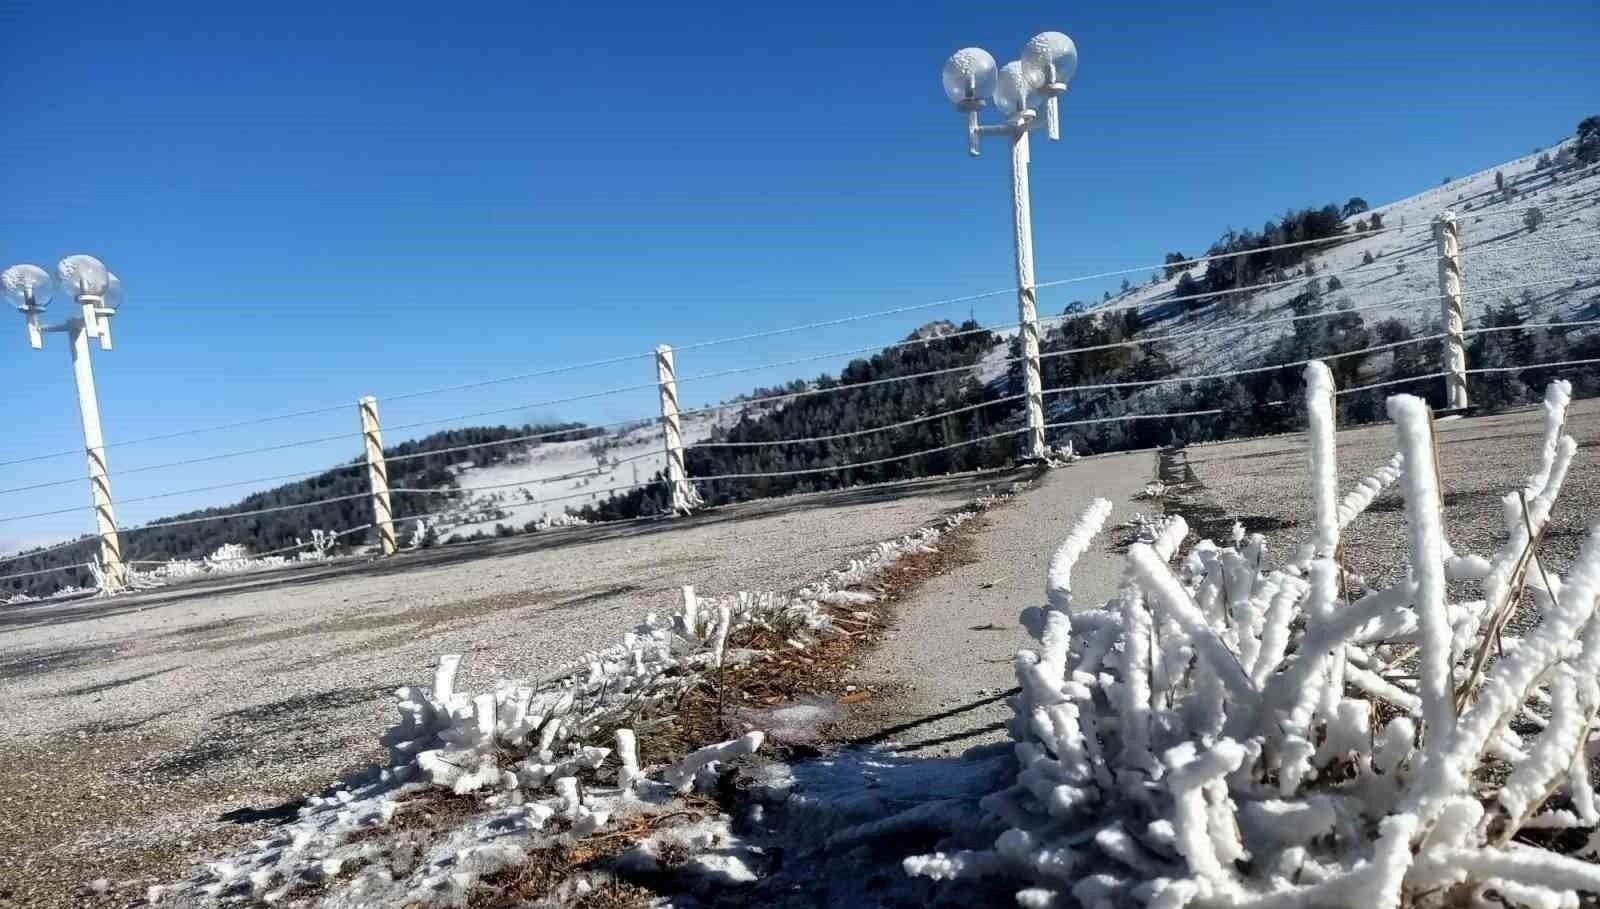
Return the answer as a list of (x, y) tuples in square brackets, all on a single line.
[(1225, 733)]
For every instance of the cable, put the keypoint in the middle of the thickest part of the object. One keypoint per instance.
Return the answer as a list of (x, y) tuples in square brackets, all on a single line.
[(794, 395), (1503, 212), (29, 574), (1489, 369), (499, 410), (1190, 263), (843, 320), (183, 522), (185, 432), (1488, 246), (1174, 380), (610, 361), (790, 396), (534, 437), (577, 495), (855, 465), (1185, 264), (188, 461), (67, 544), (1135, 416), (282, 476), (1371, 385), (862, 432), (1160, 301), (1522, 326)]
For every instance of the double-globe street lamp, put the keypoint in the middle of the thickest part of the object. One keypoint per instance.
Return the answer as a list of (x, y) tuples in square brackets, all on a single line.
[(1019, 89), (98, 294)]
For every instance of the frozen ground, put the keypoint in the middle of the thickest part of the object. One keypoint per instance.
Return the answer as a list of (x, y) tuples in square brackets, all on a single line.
[(157, 729)]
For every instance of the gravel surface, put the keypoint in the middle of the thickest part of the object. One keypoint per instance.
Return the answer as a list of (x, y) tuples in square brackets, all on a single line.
[(1264, 483), (148, 732), (949, 655)]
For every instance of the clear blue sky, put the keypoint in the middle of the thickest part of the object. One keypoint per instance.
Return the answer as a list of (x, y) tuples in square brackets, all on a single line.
[(307, 205)]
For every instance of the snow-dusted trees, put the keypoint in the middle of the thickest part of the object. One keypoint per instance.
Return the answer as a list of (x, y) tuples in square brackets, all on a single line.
[(1222, 733)]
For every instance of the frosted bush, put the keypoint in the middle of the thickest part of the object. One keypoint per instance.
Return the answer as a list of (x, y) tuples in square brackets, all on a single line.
[(1224, 733)]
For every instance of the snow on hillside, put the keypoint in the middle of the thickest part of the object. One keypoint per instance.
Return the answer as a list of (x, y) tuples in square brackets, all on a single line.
[(547, 480), (1497, 251)]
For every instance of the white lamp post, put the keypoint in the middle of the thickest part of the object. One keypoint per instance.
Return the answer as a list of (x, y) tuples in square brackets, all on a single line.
[(1019, 89), (98, 293)]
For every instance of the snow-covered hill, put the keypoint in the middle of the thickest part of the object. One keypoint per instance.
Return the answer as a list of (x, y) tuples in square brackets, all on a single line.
[(547, 480), (1558, 263)]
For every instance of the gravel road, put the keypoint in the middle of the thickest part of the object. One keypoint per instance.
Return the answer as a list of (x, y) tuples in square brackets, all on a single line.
[(148, 732), (950, 653), (1264, 484)]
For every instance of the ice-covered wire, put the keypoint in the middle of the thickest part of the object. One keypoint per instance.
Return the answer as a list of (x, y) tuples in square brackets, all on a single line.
[(159, 437), (1533, 244), (1501, 212), (863, 432), (521, 376), (838, 436), (56, 547), (1201, 260), (950, 301), (255, 512), (569, 399), (1131, 417), (1356, 389), (37, 572), (532, 437), (446, 490), (314, 411), (1131, 342), (1556, 365), (204, 459), (810, 471), (1173, 380)]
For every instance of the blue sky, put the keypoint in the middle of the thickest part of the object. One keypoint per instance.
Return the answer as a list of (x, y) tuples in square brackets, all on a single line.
[(308, 205)]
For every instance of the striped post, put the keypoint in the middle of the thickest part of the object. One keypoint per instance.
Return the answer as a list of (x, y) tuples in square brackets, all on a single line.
[(1027, 308), (672, 432), (1448, 242), (377, 475)]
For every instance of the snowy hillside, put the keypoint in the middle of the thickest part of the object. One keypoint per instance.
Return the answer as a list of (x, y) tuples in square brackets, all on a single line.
[(548, 480), (1401, 281)]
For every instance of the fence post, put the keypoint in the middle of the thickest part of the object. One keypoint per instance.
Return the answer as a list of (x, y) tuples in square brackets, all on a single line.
[(377, 475), (1027, 307), (1448, 242), (672, 431)]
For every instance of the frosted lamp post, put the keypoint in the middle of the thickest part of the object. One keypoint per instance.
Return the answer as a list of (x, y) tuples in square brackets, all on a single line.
[(1019, 89), (97, 293)]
